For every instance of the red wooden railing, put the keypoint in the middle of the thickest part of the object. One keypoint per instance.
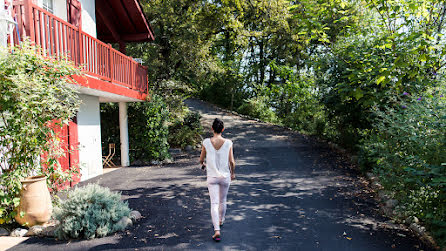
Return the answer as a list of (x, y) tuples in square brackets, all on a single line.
[(58, 38)]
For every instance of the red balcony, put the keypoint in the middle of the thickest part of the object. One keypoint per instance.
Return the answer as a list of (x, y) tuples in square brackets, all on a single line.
[(105, 68)]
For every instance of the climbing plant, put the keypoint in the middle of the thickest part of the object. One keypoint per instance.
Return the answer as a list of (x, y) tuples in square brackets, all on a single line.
[(36, 96)]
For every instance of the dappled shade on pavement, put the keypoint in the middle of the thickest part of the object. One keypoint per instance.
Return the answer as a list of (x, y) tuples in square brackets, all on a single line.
[(290, 194)]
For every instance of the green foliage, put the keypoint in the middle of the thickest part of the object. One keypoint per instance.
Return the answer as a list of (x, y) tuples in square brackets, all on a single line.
[(173, 93), (406, 148), (154, 126), (186, 132), (418, 25), (182, 41), (149, 129), (379, 60), (322, 22), (36, 96), (348, 86), (258, 108), (184, 126), (90, 212), (296, 100)]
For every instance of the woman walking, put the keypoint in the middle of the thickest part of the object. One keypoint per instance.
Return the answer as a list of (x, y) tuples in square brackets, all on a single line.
[(220, 167)]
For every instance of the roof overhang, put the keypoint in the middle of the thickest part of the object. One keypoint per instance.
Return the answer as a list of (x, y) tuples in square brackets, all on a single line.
[(122, 21)]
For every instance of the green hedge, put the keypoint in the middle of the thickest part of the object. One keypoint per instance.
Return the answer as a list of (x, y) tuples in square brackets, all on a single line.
[(186, 132), (149, 129), (406, 148)]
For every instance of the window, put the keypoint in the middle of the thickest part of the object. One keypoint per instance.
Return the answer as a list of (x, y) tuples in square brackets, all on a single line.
[(48, 5)]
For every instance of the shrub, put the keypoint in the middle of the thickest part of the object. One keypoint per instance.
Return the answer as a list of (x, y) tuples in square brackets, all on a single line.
[(148, 129), (90, 212), (174, 92), (258, 108), (35, 92), (186, 132), (362, 72), (407, 148)]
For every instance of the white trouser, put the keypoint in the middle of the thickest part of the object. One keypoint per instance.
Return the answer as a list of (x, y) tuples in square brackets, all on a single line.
[(218, 191)]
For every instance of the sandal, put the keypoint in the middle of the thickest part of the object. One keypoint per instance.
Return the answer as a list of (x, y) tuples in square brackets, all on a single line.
[(216, 238)]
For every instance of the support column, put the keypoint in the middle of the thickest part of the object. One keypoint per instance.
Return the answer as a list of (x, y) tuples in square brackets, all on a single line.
[(124, 134), (3, 36)]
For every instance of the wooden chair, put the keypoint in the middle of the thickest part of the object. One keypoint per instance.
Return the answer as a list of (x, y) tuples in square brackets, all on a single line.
[(107, 160)]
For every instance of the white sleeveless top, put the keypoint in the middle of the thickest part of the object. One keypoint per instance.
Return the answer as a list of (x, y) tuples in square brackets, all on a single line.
[(217, 161)]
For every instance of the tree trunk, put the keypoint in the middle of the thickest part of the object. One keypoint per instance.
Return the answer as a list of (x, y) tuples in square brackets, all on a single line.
[(165, 53), (232, 99), (261, 62)]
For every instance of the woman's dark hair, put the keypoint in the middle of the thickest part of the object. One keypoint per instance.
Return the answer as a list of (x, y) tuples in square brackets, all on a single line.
[(218, 125)]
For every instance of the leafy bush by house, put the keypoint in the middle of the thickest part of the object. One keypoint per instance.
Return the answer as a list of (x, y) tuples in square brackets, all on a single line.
[(148, 129), (155, 125), (36, 96), (407, 148), (184, 126), (186, 132), (90, 212)]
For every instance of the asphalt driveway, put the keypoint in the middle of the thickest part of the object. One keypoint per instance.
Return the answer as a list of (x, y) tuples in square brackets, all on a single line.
[(290, 194)]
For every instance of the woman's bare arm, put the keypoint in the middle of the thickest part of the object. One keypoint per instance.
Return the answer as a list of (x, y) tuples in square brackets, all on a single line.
[(232, 163), (202, 155)]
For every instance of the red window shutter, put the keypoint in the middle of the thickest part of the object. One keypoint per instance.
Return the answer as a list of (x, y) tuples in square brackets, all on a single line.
[(74, 12), (73, 144)]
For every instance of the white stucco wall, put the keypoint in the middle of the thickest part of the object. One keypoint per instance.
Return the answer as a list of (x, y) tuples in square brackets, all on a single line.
[(89, 17), (60, 9), (88, 14), (89, 129), (39, 3)]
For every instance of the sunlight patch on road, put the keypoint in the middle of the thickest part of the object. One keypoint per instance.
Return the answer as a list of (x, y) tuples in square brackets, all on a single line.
[(263, 207), (236, 217), (166, 236), (368, 223)]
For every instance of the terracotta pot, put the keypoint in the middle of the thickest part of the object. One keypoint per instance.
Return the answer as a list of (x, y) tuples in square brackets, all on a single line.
[(35, 202)]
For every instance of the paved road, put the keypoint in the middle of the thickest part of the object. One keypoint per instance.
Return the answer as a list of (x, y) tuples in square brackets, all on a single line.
[(290, 194)]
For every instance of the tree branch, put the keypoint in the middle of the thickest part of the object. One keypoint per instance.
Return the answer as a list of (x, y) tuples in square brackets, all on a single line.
[(441, 16), (382, 16)]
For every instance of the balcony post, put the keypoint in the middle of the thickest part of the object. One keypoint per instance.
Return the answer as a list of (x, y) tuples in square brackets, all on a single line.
[(134, 87), (29, 22), (124, 134), (111, 62), (80, 48)]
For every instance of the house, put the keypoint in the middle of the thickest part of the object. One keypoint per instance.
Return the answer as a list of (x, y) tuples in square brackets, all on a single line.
[(84, 30)]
